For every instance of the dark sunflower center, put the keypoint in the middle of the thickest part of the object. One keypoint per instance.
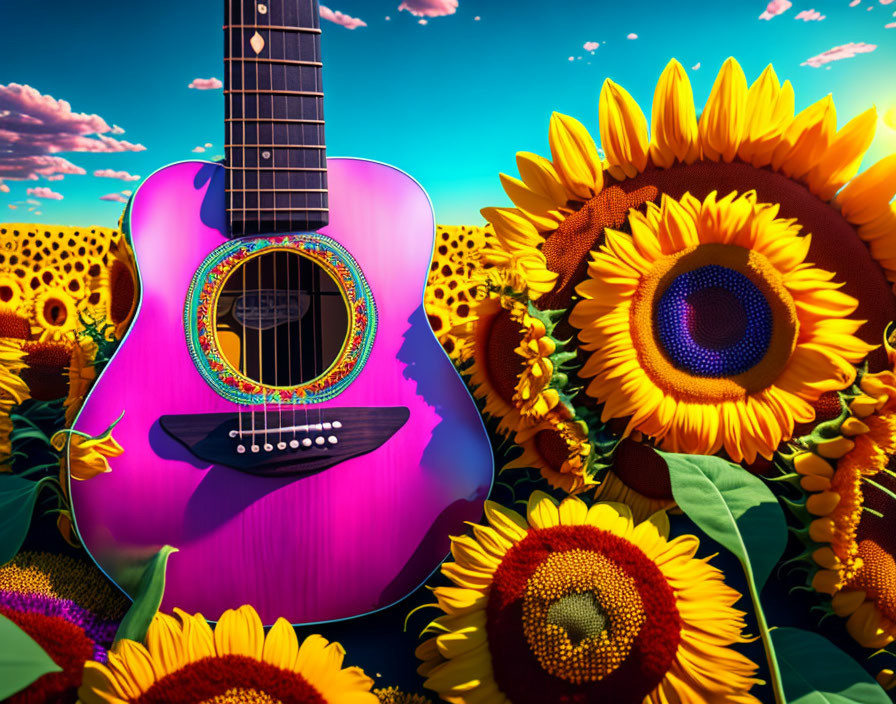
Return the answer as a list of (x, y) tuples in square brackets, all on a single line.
[(227, 676), (580, 615), (713, 322), (577, 614)]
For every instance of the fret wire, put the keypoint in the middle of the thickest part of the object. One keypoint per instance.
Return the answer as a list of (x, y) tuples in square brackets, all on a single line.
[(275, 210), (291, 62), (306, 94), (276, 190), (309, 30), (279, 146), (272, 119), (275, 92), (275, 168)]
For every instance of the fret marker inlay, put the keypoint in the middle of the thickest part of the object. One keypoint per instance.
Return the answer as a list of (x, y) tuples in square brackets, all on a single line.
[(256, 42)]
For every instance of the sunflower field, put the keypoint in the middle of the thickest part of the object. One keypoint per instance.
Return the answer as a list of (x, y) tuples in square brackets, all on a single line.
[(680, 336)]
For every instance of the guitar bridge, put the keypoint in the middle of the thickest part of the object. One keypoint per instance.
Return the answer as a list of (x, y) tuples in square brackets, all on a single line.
[(287, 441)]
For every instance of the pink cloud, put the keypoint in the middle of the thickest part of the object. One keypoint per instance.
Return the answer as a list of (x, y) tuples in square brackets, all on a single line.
[(198, 150), (115, 197), (429, 8), (810, 16), (4, 188), (44, 192), (35, 127), (631, 35), (854, 3), (591, 46), (206, 84), (887, 2), (341, 18), (890, 26), (109, 173), (845, 51), (423, 21), (117, 130), (775, 8)]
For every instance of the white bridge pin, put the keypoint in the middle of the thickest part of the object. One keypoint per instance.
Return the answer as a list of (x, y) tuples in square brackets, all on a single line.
[(332, 439), (255, 448), (293, 444), (306, 442), (281, 445), (241, 449), (268, 447), (319, 440)]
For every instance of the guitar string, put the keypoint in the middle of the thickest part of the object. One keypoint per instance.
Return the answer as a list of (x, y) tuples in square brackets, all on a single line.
[(245, 209), (258, 294), (318, 88), (229, 138), (299, 262), (278, 395)]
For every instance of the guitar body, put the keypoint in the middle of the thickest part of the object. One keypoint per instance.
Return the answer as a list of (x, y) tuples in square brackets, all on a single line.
[(331, 544)]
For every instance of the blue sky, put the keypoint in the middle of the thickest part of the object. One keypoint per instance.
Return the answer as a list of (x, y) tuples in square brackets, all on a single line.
[(451, 101)]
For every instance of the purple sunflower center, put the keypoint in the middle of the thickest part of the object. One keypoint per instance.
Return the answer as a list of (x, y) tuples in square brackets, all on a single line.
[(713, 322)]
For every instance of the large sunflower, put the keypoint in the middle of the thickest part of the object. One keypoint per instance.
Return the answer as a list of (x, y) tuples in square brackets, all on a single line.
[(578, 604), (709, 330), (747, 140), (185, 662)]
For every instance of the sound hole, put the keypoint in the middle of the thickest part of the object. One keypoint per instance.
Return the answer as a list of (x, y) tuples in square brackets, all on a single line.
[(281, 319)]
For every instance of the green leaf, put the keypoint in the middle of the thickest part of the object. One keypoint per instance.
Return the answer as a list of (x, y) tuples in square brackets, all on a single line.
[(815, 671), (736, 509), (149, 597), (733, 507), (17, 499), (22, 660)]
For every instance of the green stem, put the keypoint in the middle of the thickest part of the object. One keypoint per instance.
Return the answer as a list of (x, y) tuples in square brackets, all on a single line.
[(771, 658)]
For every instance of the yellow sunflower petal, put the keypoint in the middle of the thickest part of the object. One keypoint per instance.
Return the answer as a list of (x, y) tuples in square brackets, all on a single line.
[(623, 131), (722, 121), (673, 128), (240, 632), (868, 195), (575, 156), (542, 511), (281, 647), (841, 160)]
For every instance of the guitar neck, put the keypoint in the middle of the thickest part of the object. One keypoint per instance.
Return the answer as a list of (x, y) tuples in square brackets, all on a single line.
[(274, 136)]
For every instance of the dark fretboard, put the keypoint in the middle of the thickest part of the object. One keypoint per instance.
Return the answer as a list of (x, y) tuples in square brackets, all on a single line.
[(274, 136)]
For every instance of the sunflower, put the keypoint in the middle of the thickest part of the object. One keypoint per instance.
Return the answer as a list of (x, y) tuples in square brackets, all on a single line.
[(708, 330), (87, 456), (55, 316), (638, 478), (506, 341), (118, 284), (851, 484), (185, 661), (12, 299), (69, 609), (81, 375), (747, 140), (559, 448), (579, 604)]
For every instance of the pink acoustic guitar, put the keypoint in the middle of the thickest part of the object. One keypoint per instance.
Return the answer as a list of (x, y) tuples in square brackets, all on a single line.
[(290, 423)]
